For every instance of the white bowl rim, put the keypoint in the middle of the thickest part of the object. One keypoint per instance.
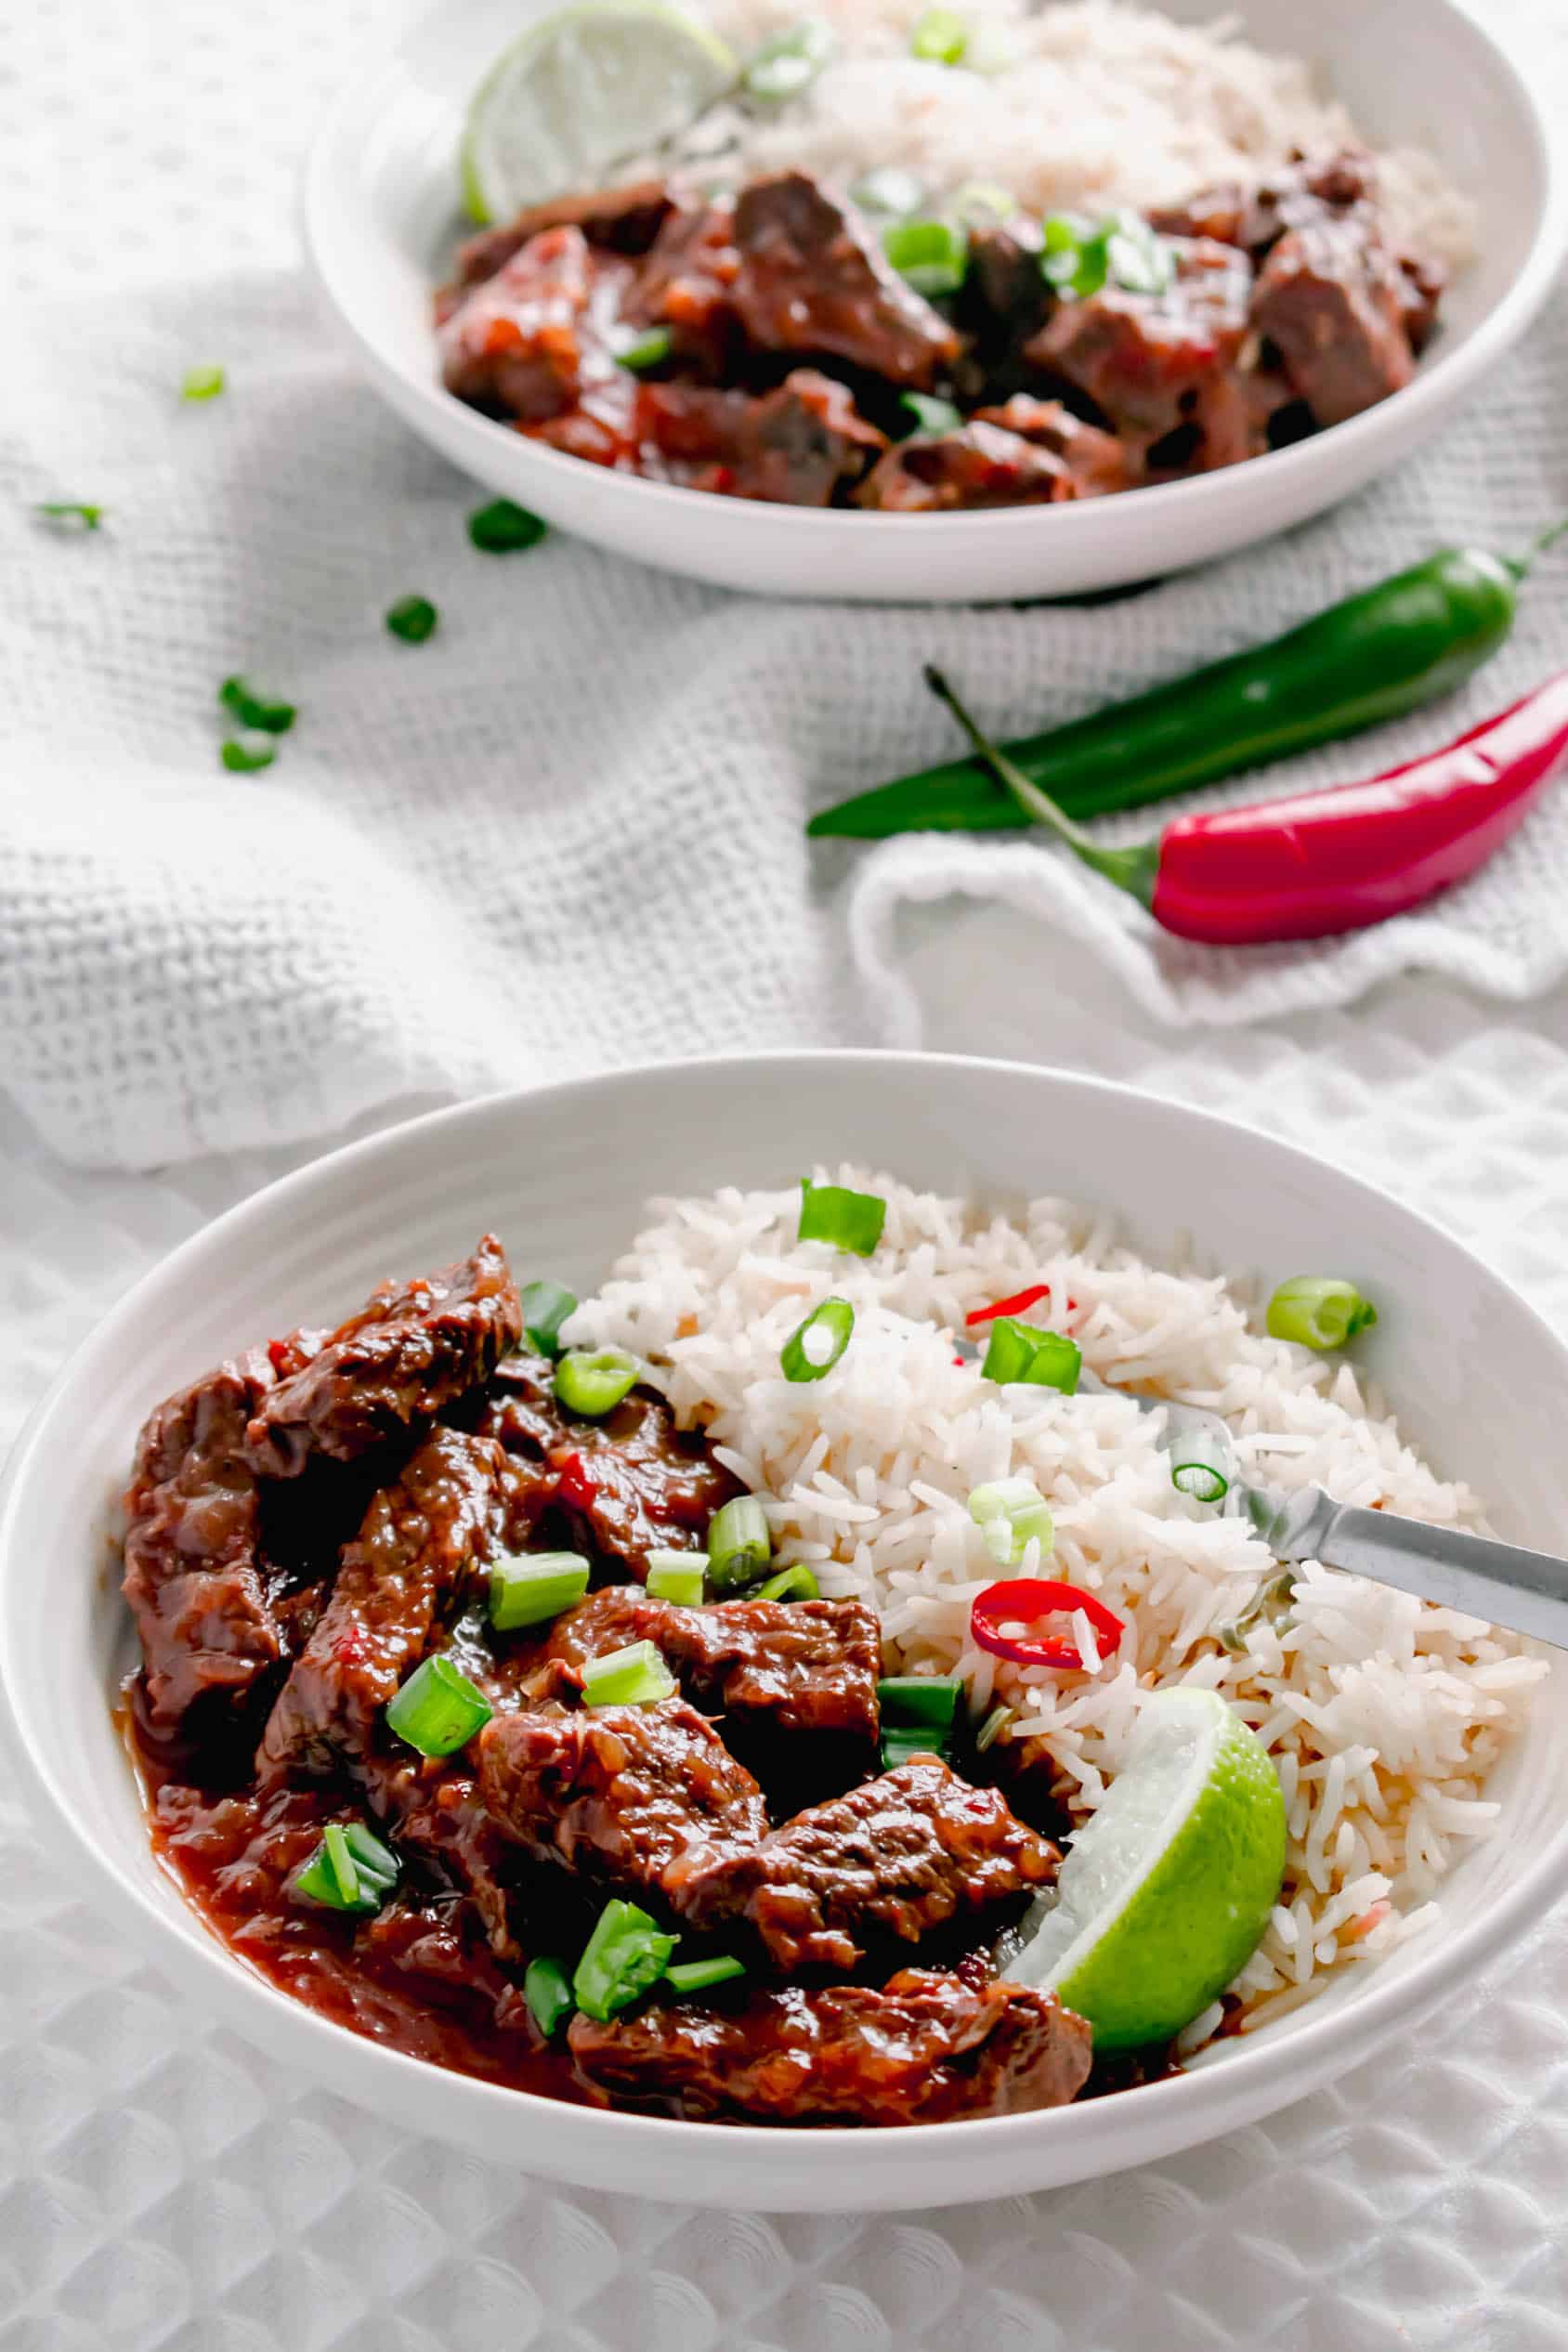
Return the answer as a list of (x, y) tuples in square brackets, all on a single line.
[(1157, 2117), (1436, 384)]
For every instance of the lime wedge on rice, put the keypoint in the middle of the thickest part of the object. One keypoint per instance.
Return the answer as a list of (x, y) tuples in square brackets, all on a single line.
[(579, 92), (1168, 1887)]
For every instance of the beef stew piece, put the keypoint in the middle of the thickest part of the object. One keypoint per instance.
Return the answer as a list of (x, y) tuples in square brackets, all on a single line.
[(1096, 462), (633, 1483), (924, 2048), (687, 284), (978, 466), (894, 1858), (1333, 301), (536, 340), (616, 220), (813, 279), (797, 446)]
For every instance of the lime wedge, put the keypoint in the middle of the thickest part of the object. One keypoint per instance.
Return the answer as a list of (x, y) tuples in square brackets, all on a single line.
[(1169, 1885), (579, 92)]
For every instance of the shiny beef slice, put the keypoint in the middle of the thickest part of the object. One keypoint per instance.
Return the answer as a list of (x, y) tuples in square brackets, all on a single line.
[(894, 1859), (617, 221), (796, 446), (979, 466), (1333, 300), (1096, 462), (412, 1350), (535, 339), (633, 1482), (812, 278), (926, 2048)]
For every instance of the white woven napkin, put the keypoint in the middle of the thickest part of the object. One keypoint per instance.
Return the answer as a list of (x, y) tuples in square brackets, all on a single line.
[(567, 830)]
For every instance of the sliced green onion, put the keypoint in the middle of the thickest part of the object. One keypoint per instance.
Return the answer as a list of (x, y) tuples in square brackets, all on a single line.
[(1202, 1464), (1079, 256), (816, 1345), (910, 1701), (788, 63), (695, 1976), (636, 1676), (850, 1221), (624, 1955), (1021, 1352), (646, 350), (546, 1306), (904, 1741), (202, 384), (993, 1727), (932, 417), (795, 1582), (1011, 1513), (932, 255), (247, 759), (506, 528), (680, 1576), (547, 1990), (237, 697), (413, 619), (889, 190), (739, 1544), (1321, 1310), (1271, 1600), (1137, 257), (531, 1587), (350, 1870), (941, 37), (69, 510), (438, 1710), (372, 1860), (593, 1380), (982, 202)]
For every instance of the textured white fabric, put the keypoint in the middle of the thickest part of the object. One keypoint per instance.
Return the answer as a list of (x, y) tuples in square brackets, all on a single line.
[(567, 831)]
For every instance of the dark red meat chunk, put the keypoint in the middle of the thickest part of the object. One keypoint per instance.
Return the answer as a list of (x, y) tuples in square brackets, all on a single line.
[(617, 221), (1006, 298), (1096, 460), (926, 2048), (895, 1858), (638, 1796), (979, 465), (1254, 215), (792, 447), (387, 1372), (633, 1483), (537, 339), (813, 278), (688, 284), (1331, 298), (424, 1544)]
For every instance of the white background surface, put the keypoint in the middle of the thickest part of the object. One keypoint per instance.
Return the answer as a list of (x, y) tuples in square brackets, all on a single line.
[(161, 2185)]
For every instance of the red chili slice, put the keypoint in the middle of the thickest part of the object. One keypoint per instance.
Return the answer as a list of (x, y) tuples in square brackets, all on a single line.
[(1026, 1599), (1020, 1305), (576, 1486)]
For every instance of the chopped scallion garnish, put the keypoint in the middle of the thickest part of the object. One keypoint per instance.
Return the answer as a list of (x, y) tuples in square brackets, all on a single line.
[(243, 758), (438, 1710), (202, 384), (350, 1870), (695, 1976), (993, 1727), (413, 619), (794, 1583), (933, 417), (1321, 1310), (816, 1345), (983, 202), (941, 37), (739, 1544), (899, 1744), (930, 255), (506, 528), (530, 1588), (850, 1221), (547, 1990), (241, 700), (918, 1701), (677, 1576), (70, 511), (624, 1955), (1021, 1354), (889, 190), (593, 1380), (1011, 1513), (648, 350), (546, 1306), (636, 1676), (788, 62), (1080, 257), (1202, 1463)]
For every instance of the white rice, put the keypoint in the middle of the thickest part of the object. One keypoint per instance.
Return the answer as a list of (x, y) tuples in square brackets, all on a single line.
[(1079, 103), (1384, 1715)]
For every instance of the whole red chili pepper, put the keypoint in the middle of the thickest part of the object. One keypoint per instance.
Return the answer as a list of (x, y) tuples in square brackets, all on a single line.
[(1317, 863)]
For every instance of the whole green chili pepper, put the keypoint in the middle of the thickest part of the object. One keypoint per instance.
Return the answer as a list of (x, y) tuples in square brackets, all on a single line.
[(1374, 657)]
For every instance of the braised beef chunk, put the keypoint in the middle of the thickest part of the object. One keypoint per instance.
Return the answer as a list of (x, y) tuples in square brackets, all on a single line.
[(794, 446), (389, 1369), (979, 466), (1331, 299), (424, 1540), (803, 1665), (1254, 216), (619, 220), (1006, 297), (924, 2048), (536, 338), (1097, 462), (633, 1482), (813, 279), (638, 1796), (191, 1577), (1420, 287), (687, 282), (895, 1858), (520, 1409)]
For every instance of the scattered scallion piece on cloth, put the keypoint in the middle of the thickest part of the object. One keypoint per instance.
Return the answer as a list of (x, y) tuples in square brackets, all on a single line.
[(940, 36), (788, 63), (593, 1380), (695, 1976), (930, 255), (240, 698), (546, 1306), (680, 1576), (350, 1871), (850, 1221), (1321, 1310), (1021, 1352), (931, 415), (648, 350), (816, 1345), (547, 1990), (532, 1588), (890, 189), (993, 1727), (624, 1956), (202, 384), (70, 512), (1202, 1463), (794, 1583), (506, 528), (635, 1676), (1010, 1513), (242, 758), (413, 619), (739, 1544), (438, 1710)]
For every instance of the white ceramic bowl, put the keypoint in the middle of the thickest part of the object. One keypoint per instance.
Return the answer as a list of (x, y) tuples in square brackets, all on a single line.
[(1477, 1377), (381, 215)]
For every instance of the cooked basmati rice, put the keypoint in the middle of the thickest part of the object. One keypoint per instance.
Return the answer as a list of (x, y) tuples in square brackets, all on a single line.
[(1384, 1713), (1079, 103)]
